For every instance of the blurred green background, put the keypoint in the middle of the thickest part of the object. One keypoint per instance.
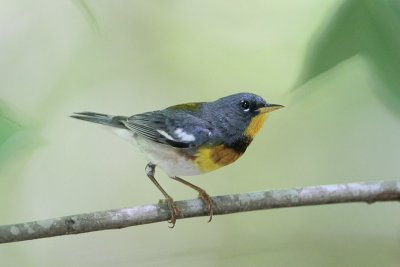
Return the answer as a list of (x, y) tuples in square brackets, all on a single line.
[(333, 64)]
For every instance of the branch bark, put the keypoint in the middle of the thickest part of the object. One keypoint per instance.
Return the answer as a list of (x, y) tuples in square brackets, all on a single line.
[(368, 192)]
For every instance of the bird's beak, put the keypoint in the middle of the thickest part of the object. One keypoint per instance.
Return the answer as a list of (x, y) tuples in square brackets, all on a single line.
[(269, 108)]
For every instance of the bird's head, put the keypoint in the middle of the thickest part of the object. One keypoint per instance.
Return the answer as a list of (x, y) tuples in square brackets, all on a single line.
[(244, 113)]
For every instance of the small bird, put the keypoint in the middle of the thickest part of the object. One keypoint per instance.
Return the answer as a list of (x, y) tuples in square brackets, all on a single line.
[(192, 138)]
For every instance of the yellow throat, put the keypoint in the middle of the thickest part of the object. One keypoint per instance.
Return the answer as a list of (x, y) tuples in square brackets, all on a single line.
[(212, 158), (255, 125)]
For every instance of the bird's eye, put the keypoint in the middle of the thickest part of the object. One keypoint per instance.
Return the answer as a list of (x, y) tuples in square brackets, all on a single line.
[(245, 105)]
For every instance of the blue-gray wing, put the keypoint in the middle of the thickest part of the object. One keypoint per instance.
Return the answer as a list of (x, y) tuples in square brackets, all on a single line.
[(175, 128)]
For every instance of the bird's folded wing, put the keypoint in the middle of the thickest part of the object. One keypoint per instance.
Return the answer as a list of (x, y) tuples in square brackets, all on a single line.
[(180, 130)]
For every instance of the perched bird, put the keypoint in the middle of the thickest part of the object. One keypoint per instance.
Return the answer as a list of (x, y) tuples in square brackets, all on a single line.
[(191, 139)]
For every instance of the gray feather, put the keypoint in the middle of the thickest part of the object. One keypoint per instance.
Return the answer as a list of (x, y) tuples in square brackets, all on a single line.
[(113, 121)]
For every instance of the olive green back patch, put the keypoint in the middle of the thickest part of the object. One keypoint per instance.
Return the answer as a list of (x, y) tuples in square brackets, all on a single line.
[(188, 106)]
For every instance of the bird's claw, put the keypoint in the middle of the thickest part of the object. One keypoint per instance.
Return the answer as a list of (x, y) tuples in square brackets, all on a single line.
[(209, 203), (175, 213)]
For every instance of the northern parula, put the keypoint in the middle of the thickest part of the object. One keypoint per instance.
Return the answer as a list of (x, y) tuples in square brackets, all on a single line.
[(191, 139)]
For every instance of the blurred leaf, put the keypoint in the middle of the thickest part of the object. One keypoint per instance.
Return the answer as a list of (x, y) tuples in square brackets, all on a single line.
[(18, 137), (8, 126), (88, 14), (368, 28)]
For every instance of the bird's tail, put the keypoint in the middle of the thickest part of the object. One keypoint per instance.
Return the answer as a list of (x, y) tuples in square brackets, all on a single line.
[(109, 120)]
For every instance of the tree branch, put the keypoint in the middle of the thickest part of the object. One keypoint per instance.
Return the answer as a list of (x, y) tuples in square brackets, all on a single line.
[(368, 192)]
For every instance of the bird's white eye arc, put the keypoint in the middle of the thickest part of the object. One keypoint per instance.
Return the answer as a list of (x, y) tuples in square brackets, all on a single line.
[(245, 105)]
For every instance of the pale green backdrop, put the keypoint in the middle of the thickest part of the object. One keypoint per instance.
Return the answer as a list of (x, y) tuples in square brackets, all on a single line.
[(333, 64)]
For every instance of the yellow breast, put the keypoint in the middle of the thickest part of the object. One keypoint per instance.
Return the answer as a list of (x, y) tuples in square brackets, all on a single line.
[(210, 159)]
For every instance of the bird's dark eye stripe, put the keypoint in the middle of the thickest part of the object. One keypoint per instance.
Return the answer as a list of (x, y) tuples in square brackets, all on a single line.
[(245, 104)]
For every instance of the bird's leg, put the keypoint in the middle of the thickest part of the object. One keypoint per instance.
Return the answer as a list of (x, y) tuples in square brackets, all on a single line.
[(210, 205), (150, 170)]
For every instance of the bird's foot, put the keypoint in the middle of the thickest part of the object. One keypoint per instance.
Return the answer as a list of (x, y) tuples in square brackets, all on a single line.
[(175, 212), (209, 203)]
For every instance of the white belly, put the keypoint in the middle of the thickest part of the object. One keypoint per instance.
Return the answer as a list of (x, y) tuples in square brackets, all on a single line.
[(165, 157)]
